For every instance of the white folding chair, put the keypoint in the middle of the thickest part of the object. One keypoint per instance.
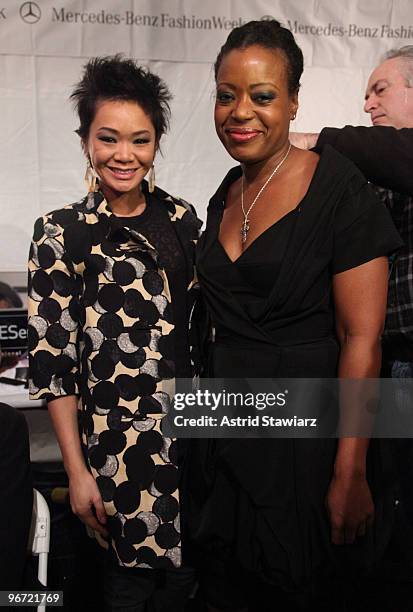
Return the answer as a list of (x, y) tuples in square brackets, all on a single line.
[(39, 542)]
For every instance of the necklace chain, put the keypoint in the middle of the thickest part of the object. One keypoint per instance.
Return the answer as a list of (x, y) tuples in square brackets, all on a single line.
[(245, 224)]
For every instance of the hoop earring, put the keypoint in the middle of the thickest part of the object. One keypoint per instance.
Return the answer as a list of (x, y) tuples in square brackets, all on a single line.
[(91, 178), (151, 179)]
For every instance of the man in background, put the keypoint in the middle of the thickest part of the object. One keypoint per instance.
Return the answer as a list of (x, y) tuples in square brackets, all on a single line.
[(389, 101), (385, 156), (384, 153)]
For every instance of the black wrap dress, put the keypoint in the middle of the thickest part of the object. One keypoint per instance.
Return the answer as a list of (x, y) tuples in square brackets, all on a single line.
[(258, 508)]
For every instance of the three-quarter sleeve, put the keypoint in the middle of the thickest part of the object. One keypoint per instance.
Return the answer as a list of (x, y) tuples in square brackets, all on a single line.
[(53, 309), (363, 228)]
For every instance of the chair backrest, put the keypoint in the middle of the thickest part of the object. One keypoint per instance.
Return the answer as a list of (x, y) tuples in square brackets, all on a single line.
[(39, 539)]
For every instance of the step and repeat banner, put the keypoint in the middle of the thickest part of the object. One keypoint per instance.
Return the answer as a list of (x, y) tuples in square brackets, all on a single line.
[(44, 44)]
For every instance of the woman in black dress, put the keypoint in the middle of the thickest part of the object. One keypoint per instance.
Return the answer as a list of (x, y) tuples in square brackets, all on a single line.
[(294, 270)]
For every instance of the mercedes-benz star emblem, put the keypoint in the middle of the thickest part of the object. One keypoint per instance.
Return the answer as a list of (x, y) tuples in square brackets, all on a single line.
[(30, 12)]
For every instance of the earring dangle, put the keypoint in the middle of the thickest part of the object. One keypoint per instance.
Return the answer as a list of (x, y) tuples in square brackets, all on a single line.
[(90, 177), (151, 179)]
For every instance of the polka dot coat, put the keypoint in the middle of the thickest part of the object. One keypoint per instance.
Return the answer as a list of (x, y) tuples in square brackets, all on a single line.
[(101, 327)]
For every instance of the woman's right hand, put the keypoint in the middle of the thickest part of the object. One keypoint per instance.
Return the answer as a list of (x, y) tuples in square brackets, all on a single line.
[(86, 502), (84, 493)]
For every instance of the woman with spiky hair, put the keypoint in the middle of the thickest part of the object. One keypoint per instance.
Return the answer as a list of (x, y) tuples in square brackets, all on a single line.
[(110, 292)]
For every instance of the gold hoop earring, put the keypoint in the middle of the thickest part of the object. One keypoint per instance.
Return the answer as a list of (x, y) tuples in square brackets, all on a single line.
[(91, 178), (151, 179)]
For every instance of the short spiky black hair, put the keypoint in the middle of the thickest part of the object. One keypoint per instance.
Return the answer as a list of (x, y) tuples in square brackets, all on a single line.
[(117, 78), (270, 34)]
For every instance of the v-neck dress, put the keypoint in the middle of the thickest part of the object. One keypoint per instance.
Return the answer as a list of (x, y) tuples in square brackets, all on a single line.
[(259, 505)]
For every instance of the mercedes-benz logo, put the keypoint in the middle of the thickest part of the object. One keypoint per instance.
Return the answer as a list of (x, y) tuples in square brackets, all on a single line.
[(30, 12)]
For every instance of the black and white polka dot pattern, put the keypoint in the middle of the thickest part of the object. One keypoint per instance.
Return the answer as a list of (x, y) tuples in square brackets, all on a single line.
[(100, 326)]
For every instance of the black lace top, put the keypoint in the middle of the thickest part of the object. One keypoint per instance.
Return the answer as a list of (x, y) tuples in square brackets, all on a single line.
[(154, 224)]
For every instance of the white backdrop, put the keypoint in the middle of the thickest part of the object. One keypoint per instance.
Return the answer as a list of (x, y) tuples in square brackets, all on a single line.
[(44, 44)]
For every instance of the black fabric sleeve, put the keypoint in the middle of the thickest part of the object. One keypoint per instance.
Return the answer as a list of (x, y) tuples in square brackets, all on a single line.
[(363, 228), (383, 154)]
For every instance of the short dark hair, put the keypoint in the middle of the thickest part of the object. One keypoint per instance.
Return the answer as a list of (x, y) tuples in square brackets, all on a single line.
[(10, 296), (271, 35), (117, 78)]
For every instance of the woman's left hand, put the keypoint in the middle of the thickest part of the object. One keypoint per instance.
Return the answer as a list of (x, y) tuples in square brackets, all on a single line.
[(350, 507)]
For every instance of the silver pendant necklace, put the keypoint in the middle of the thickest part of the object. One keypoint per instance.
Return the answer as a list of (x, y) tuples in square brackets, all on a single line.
[(245, 224)]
